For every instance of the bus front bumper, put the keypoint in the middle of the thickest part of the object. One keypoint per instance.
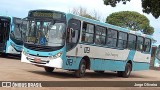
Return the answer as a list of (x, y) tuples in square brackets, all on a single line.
[(42, 61)]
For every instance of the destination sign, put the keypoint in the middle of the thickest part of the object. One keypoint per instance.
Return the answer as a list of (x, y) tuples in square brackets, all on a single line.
[(46, 14)]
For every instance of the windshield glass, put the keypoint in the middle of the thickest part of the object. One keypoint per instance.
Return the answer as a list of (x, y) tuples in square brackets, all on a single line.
[(158, 53), (46, 32), (24, 29), (17, 32), (20, 31)]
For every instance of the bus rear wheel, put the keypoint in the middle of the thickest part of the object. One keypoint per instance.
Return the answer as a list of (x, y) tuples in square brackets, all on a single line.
[(4, 54), (127, 71), (82, 69), (49, 69)]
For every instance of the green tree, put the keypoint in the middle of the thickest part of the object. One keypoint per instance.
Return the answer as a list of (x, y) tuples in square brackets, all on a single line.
[(83, 12), (149, 6), (131, 20)]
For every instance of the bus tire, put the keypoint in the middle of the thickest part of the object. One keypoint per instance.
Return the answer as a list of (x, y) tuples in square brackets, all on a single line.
[(4, 54), (101, 72), (82, 69), (49, 69), (119, 73), (127, 71)]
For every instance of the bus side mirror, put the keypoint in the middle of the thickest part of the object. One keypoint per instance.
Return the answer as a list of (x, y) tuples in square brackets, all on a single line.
[(72, 32)]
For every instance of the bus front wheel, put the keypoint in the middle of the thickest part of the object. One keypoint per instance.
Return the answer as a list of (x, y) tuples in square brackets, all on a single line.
[(82, 69), (49, 69), (127, 71)]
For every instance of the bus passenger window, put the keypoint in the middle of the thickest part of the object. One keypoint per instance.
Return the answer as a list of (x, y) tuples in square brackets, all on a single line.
[(132, 42), (112, 38), (83, 34), (147, 45), (87, 33), (122, 40), (89, 38), (140, 42), (100, 35)]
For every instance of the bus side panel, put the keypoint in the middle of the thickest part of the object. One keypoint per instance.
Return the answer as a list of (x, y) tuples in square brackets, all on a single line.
[(142, 57), (141, 61), (112, 65), (72, 63), (96, 64), (131, 55), (12, 48), (137, 66)]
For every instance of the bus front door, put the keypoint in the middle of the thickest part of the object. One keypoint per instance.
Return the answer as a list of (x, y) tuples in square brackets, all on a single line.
[(4, 33)]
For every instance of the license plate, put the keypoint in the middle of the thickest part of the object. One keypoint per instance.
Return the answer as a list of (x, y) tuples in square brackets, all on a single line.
[(37, 60)]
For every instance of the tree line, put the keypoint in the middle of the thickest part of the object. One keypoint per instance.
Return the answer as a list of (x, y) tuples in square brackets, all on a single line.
[(126, 19)]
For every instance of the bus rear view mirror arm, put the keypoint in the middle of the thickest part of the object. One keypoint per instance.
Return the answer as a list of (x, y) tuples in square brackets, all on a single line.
[(72, 32)]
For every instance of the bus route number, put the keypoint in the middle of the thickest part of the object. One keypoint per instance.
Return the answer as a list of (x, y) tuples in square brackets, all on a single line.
[(69, 62), (86, 49)]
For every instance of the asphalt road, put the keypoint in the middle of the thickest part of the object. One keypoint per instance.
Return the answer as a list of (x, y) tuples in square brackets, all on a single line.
[(11, 69)]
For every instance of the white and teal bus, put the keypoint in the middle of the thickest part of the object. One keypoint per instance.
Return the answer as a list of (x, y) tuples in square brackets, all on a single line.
[(12, 33), (59, 40)]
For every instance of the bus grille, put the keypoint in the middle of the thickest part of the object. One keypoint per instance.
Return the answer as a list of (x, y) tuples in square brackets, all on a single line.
[(41, 48)]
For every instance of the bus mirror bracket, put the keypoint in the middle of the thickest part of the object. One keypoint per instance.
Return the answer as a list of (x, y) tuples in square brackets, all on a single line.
[(72, 32)]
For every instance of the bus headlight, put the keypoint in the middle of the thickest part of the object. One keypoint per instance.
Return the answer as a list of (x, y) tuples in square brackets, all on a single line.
[(24, 52), (56, 56)]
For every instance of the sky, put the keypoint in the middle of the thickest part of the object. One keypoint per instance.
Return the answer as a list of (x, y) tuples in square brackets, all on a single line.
[(20, 8)]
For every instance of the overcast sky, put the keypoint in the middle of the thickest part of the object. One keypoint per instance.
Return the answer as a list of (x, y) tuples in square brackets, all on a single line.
[(20, 8)]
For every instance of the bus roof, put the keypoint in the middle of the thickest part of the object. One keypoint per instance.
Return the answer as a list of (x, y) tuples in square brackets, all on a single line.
[(9, 17), (69, 15), (2, 16), (46, 10)]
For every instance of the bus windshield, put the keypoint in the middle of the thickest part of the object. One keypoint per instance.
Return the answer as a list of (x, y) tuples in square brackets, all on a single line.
[(158, 53), (46, 32), (20, 30), (23, 29), (17, 32)]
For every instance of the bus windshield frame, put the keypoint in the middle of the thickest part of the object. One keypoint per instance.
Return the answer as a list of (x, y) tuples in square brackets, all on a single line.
[(46, 32)]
